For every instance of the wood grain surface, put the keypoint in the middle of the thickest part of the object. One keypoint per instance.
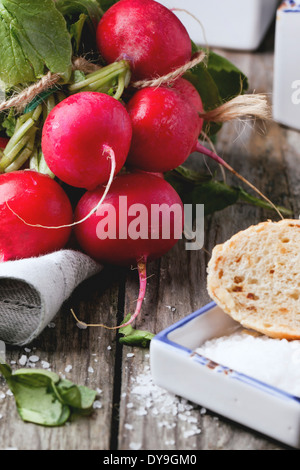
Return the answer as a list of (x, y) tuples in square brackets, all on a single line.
[(132, 413)]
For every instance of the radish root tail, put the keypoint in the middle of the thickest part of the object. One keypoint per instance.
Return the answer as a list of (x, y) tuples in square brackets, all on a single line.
[(201, 149), (253, 105), (142, 291), (111, 156)]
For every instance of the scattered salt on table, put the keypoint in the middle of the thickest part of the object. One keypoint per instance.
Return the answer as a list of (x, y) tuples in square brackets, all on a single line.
[(272, 361), (154, 401)]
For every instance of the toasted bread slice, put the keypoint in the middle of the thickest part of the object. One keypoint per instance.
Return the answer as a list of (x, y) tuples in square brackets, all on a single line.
[(255, 278)]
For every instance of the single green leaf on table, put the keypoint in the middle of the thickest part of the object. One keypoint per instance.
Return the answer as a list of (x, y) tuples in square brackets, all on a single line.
[(133, 337), (77, 396), (45, 399), (33, 39)]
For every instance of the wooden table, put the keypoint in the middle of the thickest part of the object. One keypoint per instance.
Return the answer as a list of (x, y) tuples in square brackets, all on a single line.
[(132, 413)]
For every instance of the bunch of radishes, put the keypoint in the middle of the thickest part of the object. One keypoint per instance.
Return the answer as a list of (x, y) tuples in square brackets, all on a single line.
[(89, 137)]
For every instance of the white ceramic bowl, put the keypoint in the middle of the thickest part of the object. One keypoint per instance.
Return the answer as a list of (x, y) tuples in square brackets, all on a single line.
[(229, 24), (177, 367), (286, 91)]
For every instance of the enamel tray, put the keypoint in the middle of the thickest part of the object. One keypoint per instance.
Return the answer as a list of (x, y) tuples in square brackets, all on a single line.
[(178, 368)]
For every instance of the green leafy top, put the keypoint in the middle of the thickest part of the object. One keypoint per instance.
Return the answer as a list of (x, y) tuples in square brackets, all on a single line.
[(33, 39)]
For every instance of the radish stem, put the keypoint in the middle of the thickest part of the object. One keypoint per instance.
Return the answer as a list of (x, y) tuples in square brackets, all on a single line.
[(142, 291), (95, 80), (19, 161), (143, 284)]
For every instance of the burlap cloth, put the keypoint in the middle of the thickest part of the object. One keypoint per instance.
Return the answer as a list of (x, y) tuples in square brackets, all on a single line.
[(33, 290)]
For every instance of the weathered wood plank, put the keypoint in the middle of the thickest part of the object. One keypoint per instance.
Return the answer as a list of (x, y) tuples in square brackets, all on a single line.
[(86, 357)]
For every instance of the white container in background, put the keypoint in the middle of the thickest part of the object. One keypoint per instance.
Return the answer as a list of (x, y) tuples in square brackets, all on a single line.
[(228, 24), (286, 90)]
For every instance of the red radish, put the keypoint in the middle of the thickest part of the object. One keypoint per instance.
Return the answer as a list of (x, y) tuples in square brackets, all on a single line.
[(78, 134), (166, 124), (3, 142), (190, 93), (28, 197), (147, 34), (108, 236), (165, 129)]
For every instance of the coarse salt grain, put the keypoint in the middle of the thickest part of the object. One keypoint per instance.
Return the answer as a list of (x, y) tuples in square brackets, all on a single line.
[(97, 404), (23, 360), (34, 358), (272, 361), (45, 364), (135, 446)]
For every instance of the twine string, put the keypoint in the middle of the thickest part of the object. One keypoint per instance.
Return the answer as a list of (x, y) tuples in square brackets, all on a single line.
[(197, 58), (22, 99), (255, 105)]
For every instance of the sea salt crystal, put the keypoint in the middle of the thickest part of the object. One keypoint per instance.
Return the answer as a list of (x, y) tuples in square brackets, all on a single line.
[(23, 360), (34, 358), (272, 361), (135, 446), (97, 404), (191, 432)]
